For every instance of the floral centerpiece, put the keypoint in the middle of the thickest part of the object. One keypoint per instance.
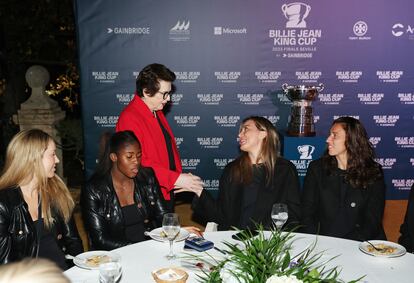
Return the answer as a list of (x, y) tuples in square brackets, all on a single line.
[(267, 259)]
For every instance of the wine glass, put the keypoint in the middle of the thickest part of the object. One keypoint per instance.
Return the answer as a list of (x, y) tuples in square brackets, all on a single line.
[(109, 272), (279, 214), (171, 228)]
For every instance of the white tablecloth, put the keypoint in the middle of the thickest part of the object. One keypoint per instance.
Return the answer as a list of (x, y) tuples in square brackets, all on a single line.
[(139, 260)]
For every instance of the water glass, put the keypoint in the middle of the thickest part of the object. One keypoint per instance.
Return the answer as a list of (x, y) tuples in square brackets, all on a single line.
[(171, 228), (279, 214), (109, 272)]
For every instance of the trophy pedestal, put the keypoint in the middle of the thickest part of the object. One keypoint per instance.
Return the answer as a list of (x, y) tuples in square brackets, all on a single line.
[(301, 122), (301, 151)]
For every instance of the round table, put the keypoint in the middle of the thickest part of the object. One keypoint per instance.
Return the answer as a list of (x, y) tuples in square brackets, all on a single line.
[(139, 260)]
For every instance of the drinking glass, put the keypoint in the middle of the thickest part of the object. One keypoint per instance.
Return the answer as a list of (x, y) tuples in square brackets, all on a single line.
[(171, 228), (109, 272), (279, 214)]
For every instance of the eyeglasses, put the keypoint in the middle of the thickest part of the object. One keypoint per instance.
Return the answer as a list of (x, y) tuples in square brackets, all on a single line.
[(165, 95)]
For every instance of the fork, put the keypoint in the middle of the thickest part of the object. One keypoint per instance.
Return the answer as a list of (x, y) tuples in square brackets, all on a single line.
[(376, 248)]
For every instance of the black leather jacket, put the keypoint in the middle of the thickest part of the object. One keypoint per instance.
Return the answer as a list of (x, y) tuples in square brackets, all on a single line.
[(18, 235), (102, 213)]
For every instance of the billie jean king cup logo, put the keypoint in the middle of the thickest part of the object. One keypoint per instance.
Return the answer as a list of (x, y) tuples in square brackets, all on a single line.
[(301, 114), (306, 151), (296, 14)]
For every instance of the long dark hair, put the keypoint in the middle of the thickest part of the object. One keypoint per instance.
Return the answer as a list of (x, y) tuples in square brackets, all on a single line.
[(242, 172), (112, 143), (362, 170)]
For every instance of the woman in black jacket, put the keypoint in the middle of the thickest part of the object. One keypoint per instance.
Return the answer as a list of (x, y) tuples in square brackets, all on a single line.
[(122, 200), (251, 184), (344, 191), (35, 205)]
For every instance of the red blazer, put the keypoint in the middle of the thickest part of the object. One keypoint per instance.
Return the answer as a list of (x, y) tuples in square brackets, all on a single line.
[(138, 118)]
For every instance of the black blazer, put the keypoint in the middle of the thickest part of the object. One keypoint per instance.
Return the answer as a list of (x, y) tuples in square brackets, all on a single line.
[(407, 228), (101, 210), (18, 235), (226, 209), (321, 200)]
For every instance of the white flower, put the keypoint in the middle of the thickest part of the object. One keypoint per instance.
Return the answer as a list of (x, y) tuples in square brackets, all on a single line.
[(283, 279), (227, 273)]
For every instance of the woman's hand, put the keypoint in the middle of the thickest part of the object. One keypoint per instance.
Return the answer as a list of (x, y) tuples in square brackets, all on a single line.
[(188, 182), (194, 230)]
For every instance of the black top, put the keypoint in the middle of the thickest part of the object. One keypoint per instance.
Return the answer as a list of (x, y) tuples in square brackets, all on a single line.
[(332, 207), (169, 144), (226, 209), (48, 247), (250, 196), (134, 223), (171, 160)]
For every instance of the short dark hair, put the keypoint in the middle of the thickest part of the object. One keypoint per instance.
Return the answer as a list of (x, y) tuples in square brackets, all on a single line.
[(150, 75)]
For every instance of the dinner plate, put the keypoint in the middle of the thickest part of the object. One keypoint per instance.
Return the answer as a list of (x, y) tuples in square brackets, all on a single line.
[(92, 259), (158, 235), (397, 250)]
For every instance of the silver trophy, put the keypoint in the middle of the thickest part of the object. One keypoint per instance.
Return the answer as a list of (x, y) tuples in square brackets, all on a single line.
[(301, 122)]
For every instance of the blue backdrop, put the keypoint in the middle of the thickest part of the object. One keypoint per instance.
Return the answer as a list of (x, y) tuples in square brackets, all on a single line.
[(231, 58)]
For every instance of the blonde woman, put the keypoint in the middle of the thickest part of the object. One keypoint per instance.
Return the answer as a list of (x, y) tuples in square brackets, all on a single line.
[(33, 271), (35, 205)]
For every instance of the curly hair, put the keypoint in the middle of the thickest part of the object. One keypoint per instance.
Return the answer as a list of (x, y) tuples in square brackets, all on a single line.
[(149, 77), (270, 151), (362, 170)]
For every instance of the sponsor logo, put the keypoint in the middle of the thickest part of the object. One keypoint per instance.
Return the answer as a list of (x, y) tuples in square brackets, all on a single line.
[(402, 184), (179, 141), (180, 31), (210, 98), (135, 74), (187, 121), (316, 118), (360, 30), (227, 77), (124, 98), (273, 119), (129, 30), (105, 77), (404, 142), (210, 142), (229, 31), (267, 77), (105, 121), (222, 162), (406, 98), (296, 41), (386, 120), (389, 76), (176, 98), (399, 29), (348, 76), (305, 151), (296, 13), (211, 185), (330, 98), (374, 141), (412, 161), (250, 98), (190, 164), (187, 77), (227, 121), (370, 98), (308, 77), (386, 163)]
